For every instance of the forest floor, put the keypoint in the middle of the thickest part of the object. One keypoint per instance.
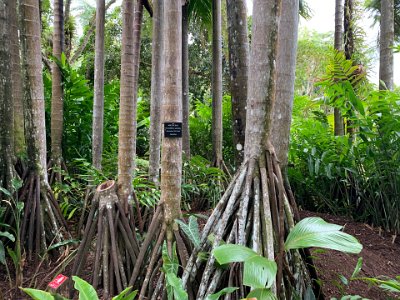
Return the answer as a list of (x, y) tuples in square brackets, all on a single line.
[(381, 257)]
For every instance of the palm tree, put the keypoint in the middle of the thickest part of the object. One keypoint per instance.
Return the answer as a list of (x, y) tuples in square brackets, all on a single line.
[(185, 81), (57, 114), (6, 108), (128, 102), (338, 119), (157, 66), (285, 76), (16, 73), (238, 64), (98, 101), (251, 212), (163, 224), (216, 85), (42, 221), (386, 45), (375, 7)]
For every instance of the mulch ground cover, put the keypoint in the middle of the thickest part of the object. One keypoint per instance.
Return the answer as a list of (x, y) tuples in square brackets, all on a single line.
[(381, 257)]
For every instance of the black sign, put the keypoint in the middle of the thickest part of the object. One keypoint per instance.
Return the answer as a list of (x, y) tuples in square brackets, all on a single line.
[(173, 129)]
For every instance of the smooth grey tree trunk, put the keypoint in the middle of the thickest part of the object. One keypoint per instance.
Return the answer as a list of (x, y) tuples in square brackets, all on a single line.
[(386, 45), (261, 84), (185, 81), (34, 92), (171, 110), (217, 84), (98, 101), (157, 79), (338, 119), (285, 77), (128, 95), (6, 108), (238, 43), (57, 114), (16, 73)]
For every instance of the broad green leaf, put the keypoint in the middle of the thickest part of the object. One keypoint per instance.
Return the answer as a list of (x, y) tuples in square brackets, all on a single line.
[(126, 294), (86, 291), (7, 235), (176, 284), (261, 294), (229, 253), (315, 232), (358, 267), (38, 294), (259, 272), (170, 264), (222, 292), (191, 230)]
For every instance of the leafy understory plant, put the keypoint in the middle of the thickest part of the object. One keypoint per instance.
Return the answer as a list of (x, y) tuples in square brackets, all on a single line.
[(385, 283), (259, 273), (85, 289), (13, 233)]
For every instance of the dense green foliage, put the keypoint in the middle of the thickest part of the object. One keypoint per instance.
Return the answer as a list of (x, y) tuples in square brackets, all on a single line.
[(357, 175)]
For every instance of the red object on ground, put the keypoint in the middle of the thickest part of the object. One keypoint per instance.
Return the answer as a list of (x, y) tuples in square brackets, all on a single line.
[(56, 282)]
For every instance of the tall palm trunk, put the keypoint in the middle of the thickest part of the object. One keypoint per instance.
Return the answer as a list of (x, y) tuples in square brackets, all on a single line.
[(338, 119), (42, 220), (185, 81), (57, 114), (7, 171), (128, 102), (252, 210), (98, 101), (238, 65), (217, 84), (36, 134), (16, 73), (386, 45), (349, 44), (171, 109), (111, 218), (169, 208), (285, 76), (68, 34), (157, 69)]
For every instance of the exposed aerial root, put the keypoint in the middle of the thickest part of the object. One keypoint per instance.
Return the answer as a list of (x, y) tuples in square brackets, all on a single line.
[(116, 247), (42, 223), (147, 272), (256, 211)]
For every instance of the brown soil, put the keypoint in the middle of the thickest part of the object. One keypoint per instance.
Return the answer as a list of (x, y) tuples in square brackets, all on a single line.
[(381, 258)]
